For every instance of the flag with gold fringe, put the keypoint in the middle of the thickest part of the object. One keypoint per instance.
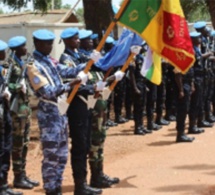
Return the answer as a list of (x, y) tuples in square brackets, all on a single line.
[(161, 23)]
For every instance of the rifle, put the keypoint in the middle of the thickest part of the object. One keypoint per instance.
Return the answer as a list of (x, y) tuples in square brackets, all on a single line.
[(5, 84), (14, 104)]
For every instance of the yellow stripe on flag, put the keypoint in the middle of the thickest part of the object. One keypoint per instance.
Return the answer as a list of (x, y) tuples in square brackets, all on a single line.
[(156, 76)]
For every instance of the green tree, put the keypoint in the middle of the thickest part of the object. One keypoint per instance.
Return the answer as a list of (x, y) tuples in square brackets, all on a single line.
[(67, 6), (80, 14), (1, 11), (195, 10)]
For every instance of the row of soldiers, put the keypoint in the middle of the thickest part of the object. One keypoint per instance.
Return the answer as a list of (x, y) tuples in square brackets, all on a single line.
[(89, 112)]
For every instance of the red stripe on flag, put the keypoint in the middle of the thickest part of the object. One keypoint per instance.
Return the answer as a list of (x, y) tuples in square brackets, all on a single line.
[(175, 33), (178, 58)]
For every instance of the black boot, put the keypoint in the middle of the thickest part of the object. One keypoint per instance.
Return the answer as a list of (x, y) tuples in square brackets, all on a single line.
[(3, 192), (209, 117), (184, 138), (138, 129), (20, 182), (33, 182), (204, 123), (53, 192), (11, 192), (160, 120), (193, 129), (112, 180), (119, 119), (81, 188), (96, 179), (151, 125)]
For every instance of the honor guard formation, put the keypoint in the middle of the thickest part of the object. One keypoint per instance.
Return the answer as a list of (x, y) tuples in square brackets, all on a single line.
[(87, 117)]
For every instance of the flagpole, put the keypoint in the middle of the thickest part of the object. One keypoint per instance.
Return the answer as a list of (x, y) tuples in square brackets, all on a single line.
[(99, 47), (125, 66)]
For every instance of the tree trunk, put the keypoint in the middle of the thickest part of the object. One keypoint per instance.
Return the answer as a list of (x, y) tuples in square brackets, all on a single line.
[(98, 14), (211, 8)]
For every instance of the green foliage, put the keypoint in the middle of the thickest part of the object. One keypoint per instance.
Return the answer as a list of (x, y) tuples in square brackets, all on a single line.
[(1, 11), (80, 14), (67, 6), (195, 10)]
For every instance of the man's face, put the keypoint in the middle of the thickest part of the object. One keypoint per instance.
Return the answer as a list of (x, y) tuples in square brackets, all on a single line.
[(44, 46), (87, 43), (2, 55), (21, 50), (74, 42)]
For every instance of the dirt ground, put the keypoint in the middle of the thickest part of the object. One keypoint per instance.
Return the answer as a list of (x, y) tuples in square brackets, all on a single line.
[(152, 164)]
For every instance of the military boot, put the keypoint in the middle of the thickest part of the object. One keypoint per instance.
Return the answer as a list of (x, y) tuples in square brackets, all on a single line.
[(53, 192), (81, 188), (209, 117), (112, 180), (20, 182), (193, 129), (151, 125), (160, 120), (204, 123), (119, 119), (96, 179), (33, 182)]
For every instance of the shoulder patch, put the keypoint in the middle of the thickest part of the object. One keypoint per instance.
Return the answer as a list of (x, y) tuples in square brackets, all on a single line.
[(36, 80)]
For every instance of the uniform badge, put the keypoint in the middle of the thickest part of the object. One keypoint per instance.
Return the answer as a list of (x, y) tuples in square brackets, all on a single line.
[(36, 80)]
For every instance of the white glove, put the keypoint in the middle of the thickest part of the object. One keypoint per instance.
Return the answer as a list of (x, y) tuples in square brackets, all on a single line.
[(100, 85), (119, 75), (135, 49), (95, 56), (24, 88), (83, 76), (7, 94), (106, 93)]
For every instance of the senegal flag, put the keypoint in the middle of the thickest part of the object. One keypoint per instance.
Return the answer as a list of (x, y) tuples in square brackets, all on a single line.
[(162, 25)]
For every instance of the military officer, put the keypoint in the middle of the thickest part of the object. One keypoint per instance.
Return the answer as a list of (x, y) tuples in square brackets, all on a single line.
[(45, 79), (5, 130), (20, 114)]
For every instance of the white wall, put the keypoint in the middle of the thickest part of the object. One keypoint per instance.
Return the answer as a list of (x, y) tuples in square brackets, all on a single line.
[(26, 29)]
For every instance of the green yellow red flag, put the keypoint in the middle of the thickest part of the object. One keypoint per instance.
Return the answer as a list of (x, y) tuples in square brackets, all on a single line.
[(161, 23)]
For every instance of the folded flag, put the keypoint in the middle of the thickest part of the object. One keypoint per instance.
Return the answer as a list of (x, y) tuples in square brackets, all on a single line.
[(151, 68), (161, 23), (118, 55)]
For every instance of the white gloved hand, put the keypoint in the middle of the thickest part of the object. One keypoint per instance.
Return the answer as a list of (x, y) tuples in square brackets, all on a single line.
[(135, 49), (23, 84), (119, 75), (95, 56), (106, 93), (100, 85), (7, 94), (83, 76)]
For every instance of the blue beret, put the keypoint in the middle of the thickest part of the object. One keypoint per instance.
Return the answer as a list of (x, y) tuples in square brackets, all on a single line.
[(94, 36), (199, 24), (3, 45), (83, 34), (213, 33), (110, 40), (43, 34), (16, 41), (69, 32), (195, 34)]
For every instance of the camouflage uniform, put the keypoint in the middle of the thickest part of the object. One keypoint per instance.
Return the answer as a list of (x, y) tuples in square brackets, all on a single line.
[(48, 86), (20, 120)]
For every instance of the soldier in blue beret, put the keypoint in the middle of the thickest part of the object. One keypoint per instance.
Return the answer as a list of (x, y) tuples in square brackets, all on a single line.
[(5, 130), (21, 114), (95, 38), (205, 118), (78, 115), (45, 79)]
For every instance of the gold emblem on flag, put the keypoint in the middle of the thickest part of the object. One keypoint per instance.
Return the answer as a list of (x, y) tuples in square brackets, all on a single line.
[(133, 16), (170, 32), (180, 56)]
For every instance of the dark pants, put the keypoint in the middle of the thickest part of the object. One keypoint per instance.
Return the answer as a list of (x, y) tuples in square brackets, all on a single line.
[(139, 103), (128, 98), (79, 129), (119, 95), (5, 148), (161, 96), (182, 109), (151, 99)]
